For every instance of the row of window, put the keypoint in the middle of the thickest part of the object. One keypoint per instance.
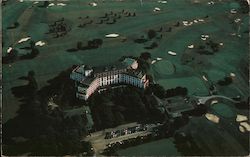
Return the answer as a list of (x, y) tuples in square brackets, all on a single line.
[(113, 79)]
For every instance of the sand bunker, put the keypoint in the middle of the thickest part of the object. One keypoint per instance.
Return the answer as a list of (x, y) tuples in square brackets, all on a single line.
[(153, 61), (190, 46), (242, 129), (241, 118), (172, 53), (163, 2), (40, 43), (93, 4), (61, 4), (24, 40), (212, 117), (157, 9), (113, 35), (9, 49), (245, 125)]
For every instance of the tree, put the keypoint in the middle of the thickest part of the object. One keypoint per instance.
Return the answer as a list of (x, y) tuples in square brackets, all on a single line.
[(178, 91), (32, 83), (45, 4), (108, 117), (79, 45), (244, 7), (34, 52), (226, 81), (151, 34), (145, 56), (143, 65), (32, 44), (157, 90), (11, 57), (98, 42)]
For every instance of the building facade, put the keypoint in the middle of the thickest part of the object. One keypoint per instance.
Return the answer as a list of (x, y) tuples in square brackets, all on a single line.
[(89, 80)]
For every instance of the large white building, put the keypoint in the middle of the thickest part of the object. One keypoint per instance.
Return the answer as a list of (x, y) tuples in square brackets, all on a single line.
[(88, 80)]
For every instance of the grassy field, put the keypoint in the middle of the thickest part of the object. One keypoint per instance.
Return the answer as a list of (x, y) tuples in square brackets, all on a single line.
[(169, 72), (156, 148), (54, 58)]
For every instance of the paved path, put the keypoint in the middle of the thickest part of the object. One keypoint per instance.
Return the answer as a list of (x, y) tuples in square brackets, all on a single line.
[(205, 99)]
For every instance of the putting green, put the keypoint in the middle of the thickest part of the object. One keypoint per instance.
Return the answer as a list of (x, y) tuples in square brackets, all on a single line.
[(53, 57), (234, 5), (223, 110), (163, 68)]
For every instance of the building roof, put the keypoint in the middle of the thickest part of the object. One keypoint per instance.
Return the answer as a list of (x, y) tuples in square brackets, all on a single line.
[(128, 61), (88, 80), (111, 67), (120, 65), (115, 66)]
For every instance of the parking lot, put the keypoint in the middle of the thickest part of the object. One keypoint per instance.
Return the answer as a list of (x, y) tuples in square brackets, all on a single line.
[(126, 131)]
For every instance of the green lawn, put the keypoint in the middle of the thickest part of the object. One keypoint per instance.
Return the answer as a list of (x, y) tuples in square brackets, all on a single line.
[(54, 58), (157, 148)]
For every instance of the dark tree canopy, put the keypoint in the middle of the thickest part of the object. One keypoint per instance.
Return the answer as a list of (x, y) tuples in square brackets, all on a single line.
[(178, 91), (145, 56), (226, 81), (156, 89), (151, 34), (79, 45)]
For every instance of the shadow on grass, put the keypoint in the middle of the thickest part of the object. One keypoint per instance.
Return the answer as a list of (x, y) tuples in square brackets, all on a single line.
[(13, 57)]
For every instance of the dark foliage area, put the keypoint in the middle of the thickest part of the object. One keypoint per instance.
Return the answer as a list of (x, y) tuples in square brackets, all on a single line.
[(243, 105), (121, 105), (160, 92), (152, 46), (108, 18), (13, 56), (169, 29), (209, 48), (140, 40), (204, 52), (145, 56), (226, 81), (10, 57), (178, 91), (244, 69), (151, 34), (14, 25), (186, 145), (91, 44), (144, 62), (117, 106), (214, 46), (198, 111), (44, 131), (44, 5), (156, 89), (244, 7), (59, 28)]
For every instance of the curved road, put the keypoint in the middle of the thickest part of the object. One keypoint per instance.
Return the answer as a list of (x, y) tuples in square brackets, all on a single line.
[(204, 99)]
